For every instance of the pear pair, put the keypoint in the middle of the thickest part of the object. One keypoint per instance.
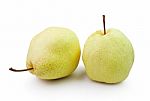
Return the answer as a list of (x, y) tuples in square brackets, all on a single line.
[(55, 52)]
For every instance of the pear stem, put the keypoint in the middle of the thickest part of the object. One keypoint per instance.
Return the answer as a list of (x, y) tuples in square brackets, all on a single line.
[(14, 70), (104, 24)]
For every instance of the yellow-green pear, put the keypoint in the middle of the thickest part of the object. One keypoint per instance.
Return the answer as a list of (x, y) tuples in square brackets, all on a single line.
[(108, 56), (53, 53)]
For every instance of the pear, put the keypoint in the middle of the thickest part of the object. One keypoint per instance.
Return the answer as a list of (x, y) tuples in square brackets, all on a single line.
[(108, 55), (53, 53)]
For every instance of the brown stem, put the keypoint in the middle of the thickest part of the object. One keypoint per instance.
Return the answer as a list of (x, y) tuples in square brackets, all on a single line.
[(14, 70), (104, 24)]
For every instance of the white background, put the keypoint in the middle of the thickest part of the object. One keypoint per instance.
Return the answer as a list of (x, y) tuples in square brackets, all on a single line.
[(20, 20)]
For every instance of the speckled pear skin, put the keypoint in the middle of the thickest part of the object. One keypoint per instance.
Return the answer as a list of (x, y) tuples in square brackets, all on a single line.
[(54, 53), (108, 58)]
